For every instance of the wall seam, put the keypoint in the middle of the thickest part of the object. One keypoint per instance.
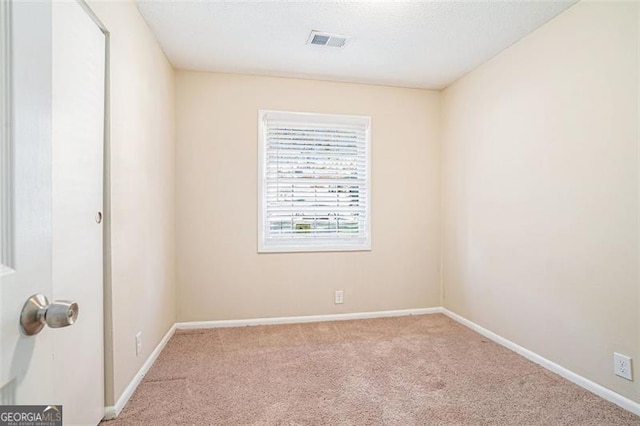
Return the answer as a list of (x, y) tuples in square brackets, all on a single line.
[(442, 197)]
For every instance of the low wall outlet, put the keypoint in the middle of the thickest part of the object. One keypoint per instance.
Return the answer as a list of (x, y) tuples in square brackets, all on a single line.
[(138, 343), (622, 366), (339, 297)]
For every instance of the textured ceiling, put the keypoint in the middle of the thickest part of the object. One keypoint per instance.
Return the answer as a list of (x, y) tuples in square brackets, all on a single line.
[(416, 44)]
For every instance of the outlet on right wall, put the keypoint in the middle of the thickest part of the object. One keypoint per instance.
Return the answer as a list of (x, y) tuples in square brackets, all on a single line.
[(540, 184)]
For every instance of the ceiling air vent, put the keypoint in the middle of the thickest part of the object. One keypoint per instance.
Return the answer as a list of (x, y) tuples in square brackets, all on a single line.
[(318, 38)]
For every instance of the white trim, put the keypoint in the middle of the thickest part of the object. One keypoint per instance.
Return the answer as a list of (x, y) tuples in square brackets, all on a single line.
[(579, 380), (93, 16), (607, 394), (113, 411), (6, 140), (305, 319)]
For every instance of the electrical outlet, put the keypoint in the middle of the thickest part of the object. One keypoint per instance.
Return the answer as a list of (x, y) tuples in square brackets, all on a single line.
[(622, 366), (339, 297), (138, 343)]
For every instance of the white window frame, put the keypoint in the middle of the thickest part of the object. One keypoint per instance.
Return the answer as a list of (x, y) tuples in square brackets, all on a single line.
[(268, 246)]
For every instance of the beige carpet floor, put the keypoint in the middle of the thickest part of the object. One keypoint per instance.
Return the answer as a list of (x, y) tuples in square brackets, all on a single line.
[(414, 370)]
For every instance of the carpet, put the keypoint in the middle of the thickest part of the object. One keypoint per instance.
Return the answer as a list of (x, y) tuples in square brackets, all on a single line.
[(412, 370)]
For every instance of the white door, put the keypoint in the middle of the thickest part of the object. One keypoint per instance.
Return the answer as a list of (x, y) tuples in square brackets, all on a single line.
[(56, 248)]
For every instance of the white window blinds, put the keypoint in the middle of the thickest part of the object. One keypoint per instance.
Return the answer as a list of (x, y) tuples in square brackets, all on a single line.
[(314, 182)]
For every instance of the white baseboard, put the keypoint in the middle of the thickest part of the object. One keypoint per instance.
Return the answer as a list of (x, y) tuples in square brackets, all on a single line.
[(304, 319), (632, 406), (579, 380), (113, 411)]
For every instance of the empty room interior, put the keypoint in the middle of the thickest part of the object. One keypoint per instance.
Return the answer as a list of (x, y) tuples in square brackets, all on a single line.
[(320, 213)]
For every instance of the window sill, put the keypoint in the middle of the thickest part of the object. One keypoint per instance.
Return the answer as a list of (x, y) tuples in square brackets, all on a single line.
[(312, 249)]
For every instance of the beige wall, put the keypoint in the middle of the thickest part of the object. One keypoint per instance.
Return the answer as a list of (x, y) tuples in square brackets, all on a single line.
[(220, 273), (142, 288), (540, 186), (540, 172)]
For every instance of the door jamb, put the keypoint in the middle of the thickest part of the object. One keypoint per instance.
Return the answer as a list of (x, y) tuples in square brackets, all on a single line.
[(106, 215)]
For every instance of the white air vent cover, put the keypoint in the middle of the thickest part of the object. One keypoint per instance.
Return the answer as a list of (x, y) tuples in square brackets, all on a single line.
[(318, 38)]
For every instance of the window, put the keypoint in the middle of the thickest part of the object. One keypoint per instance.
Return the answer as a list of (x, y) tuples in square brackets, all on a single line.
[(314, 186)]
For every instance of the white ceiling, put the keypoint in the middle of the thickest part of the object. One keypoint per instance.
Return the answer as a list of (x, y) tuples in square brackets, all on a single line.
[(416, 44)]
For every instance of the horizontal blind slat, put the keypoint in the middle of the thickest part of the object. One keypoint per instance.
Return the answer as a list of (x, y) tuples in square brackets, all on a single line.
[(313, 210), (337, 127)]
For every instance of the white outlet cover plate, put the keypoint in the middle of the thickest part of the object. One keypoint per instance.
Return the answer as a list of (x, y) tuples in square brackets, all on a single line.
[(138, 343), (622, 366)]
